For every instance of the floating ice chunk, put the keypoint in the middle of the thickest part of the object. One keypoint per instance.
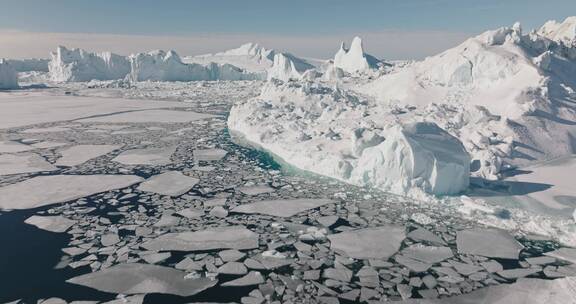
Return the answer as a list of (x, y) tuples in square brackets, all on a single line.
[(565, 254), (80, 154), (491, 243), (370, 243), (427, 254), (283, 69), (256, 190), (23, 163), (8, 76), (172, 183), (13, 147), (143, 278), (147, 156), (209, 154), (418, 155), (143, 116), (47, 190), (191, 213), (56, 223), (422, 234), (233, 237), (281, 208), (252, 278), (48, 145)]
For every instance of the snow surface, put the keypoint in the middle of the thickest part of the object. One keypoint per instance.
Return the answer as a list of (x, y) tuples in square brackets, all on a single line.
[(564, 32), (8, 76), (76, 155)]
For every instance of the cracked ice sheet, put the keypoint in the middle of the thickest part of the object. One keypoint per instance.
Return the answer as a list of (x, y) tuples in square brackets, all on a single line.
[(80, 154), (147, 156), (143, 278), (161, 116), (378, 243), (47, 190), (23, 163), (21, 109), (13, 147)]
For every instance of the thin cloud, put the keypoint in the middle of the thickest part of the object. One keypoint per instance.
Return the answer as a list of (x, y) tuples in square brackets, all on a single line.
[(388, 44)]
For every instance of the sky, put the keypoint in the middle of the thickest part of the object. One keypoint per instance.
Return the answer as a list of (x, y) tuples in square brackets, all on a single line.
[(391, 29)]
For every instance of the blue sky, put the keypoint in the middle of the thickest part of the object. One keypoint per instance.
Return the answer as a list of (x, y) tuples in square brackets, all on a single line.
[(275, 19)]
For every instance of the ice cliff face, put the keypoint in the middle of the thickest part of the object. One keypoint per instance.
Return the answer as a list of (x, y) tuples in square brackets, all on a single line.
[(564, 32), (283, 69), (327, 131), (355, 60), (167, 66), (8, 76), (78, 65), (29, 65), (507, 95)]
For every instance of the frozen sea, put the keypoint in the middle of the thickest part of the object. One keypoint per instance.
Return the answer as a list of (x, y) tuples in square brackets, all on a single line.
[(138, 194)]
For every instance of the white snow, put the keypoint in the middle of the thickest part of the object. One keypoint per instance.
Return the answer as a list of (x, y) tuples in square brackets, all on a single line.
[(8, 76), (70, 65), (355, 60), (283, 69), (330, 132), (564, 32), (46, 190), (507, 95)]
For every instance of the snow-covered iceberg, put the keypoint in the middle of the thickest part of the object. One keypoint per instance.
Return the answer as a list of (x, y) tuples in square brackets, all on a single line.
[(283, 69), (329, 132), (167, 66), (564, 32), (250, 57), (76, 65), (354, 59), (508, 96), (8, 76), (29, 65)]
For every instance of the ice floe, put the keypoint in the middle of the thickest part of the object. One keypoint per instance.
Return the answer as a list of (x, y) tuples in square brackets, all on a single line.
[(47, 190), (23, 163), (54, 223), (281, 208), (138, 278), (492, 243), (171, 183), (230, 237), (146, 156), (77, 155), (368, 243)]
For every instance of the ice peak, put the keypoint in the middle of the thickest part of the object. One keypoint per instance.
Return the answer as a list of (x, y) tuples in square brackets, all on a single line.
[(354, 59), (560, 32)]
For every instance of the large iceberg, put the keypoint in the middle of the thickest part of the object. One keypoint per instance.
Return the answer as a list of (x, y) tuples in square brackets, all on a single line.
[(29, 65), (508, 96), (331, 132), (355, 60), (283, 69), (8, 76), (71, 65), (250, 57), (167, 66)]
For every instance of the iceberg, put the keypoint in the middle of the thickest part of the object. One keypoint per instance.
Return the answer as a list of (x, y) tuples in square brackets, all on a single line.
[(73, 65), (354, 59), (8, 76)]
